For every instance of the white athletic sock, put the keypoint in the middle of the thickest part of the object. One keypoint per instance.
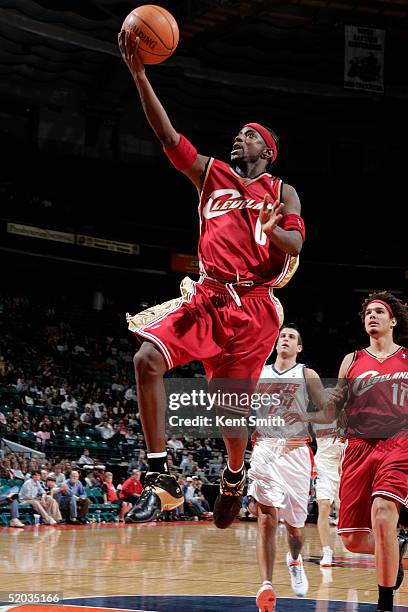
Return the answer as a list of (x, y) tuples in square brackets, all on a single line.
[(156, 455), (234, 471)]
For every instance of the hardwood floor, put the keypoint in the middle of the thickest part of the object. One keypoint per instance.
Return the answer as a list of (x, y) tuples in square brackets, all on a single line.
[(166, 558)]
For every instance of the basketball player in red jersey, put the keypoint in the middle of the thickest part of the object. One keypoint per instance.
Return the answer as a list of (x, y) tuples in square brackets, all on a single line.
[(375, 460), (251, 233)]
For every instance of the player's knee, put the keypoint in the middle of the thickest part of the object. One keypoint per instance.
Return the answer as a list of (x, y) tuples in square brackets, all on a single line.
[(267, 520), (324, 506), (295, 534), (148, 362), (351, 541), (384, 514)]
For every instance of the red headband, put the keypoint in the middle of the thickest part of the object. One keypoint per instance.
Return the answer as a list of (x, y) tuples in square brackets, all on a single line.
[(267, 136), (387, 306)]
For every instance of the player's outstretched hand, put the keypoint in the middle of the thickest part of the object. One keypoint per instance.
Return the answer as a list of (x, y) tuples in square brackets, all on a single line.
[(128, 46), (270, 214), (291, 417)]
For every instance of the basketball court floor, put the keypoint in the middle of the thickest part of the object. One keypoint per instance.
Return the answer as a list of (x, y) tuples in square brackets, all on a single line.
[(172, 567)]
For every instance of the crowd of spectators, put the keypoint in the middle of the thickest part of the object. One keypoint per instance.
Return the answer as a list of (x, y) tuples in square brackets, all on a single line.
[(67, 372), (59, 492)]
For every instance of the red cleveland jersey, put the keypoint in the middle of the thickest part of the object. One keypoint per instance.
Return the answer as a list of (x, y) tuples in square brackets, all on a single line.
[(232, 246), (378, 395)]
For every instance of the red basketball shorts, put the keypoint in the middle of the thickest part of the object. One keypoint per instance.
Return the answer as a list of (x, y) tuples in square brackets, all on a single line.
[(232, 340), (371, 468)]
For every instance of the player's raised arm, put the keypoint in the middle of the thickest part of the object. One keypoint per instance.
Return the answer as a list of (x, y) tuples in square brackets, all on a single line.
[(182, 154), (290, 234)]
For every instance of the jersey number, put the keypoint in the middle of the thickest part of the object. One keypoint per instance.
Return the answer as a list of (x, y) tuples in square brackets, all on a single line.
[(402, 391), (260, 236)]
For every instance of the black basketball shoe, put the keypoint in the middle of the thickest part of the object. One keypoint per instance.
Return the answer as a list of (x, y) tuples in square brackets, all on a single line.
[(402, 543), (161, 492), (229, 501)]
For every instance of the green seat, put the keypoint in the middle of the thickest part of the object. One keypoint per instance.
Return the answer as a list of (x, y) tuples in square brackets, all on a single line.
[(102, 512), (95, 495), (15, 483)]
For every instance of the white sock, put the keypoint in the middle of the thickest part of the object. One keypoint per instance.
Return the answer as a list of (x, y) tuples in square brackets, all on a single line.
[(327, 549), (156, 455), (234, 471)]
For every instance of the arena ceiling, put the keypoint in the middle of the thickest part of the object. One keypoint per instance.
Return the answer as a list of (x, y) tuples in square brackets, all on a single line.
[(51, 49)]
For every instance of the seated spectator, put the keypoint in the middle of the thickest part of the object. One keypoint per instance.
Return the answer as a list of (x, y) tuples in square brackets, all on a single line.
[(173, 468), (52, 489), (67, 469), (186, 464), (60, 476), (198, 485), (118, 437), (44, 474), (34, 494), (110, 496), (16, 474), (195, 499), (11, 499), (85, 458), (69, 404), (174, 443), (73, 500), (105, 430), (131, 488), (141, 462), (86, 417)]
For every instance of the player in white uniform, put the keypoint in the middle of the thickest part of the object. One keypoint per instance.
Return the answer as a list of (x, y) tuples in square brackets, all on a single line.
[(329, 449), (281, 464)]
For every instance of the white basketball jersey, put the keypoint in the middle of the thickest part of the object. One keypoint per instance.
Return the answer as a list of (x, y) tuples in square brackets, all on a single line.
[(288, 393)]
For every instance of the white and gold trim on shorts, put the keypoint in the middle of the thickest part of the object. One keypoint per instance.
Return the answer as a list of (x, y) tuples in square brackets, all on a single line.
[(140, 323), (142, 319), (278, 306)]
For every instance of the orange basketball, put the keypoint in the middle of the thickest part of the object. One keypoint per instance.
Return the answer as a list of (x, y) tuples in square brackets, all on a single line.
[(158, 32)]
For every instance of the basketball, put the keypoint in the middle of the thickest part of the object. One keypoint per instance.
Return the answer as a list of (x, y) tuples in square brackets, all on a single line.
[(158, 32)]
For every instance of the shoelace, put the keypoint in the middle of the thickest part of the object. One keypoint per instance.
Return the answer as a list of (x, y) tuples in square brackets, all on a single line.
[(296, 570), (146, 491)]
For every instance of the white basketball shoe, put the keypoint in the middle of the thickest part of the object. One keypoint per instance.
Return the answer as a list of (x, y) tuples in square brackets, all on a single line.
[(298, 578)]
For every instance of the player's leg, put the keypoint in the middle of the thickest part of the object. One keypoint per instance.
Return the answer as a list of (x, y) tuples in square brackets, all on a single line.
[(361, 542), (150, 368), (389, 493), (295, 468), (232, 482), (355, 491), (384, 518), (161, 490), (177, 332), (267, 495), (324, 531), (266, 551), (327, 482), (243, 357), (294, 561)]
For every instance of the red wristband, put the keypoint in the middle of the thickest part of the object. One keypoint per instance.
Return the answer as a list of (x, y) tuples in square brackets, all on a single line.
[(183, 155), (294, 222)]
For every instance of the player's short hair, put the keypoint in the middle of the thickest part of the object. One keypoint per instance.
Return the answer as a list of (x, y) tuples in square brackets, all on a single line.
[(295, 327), (399, 309)]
